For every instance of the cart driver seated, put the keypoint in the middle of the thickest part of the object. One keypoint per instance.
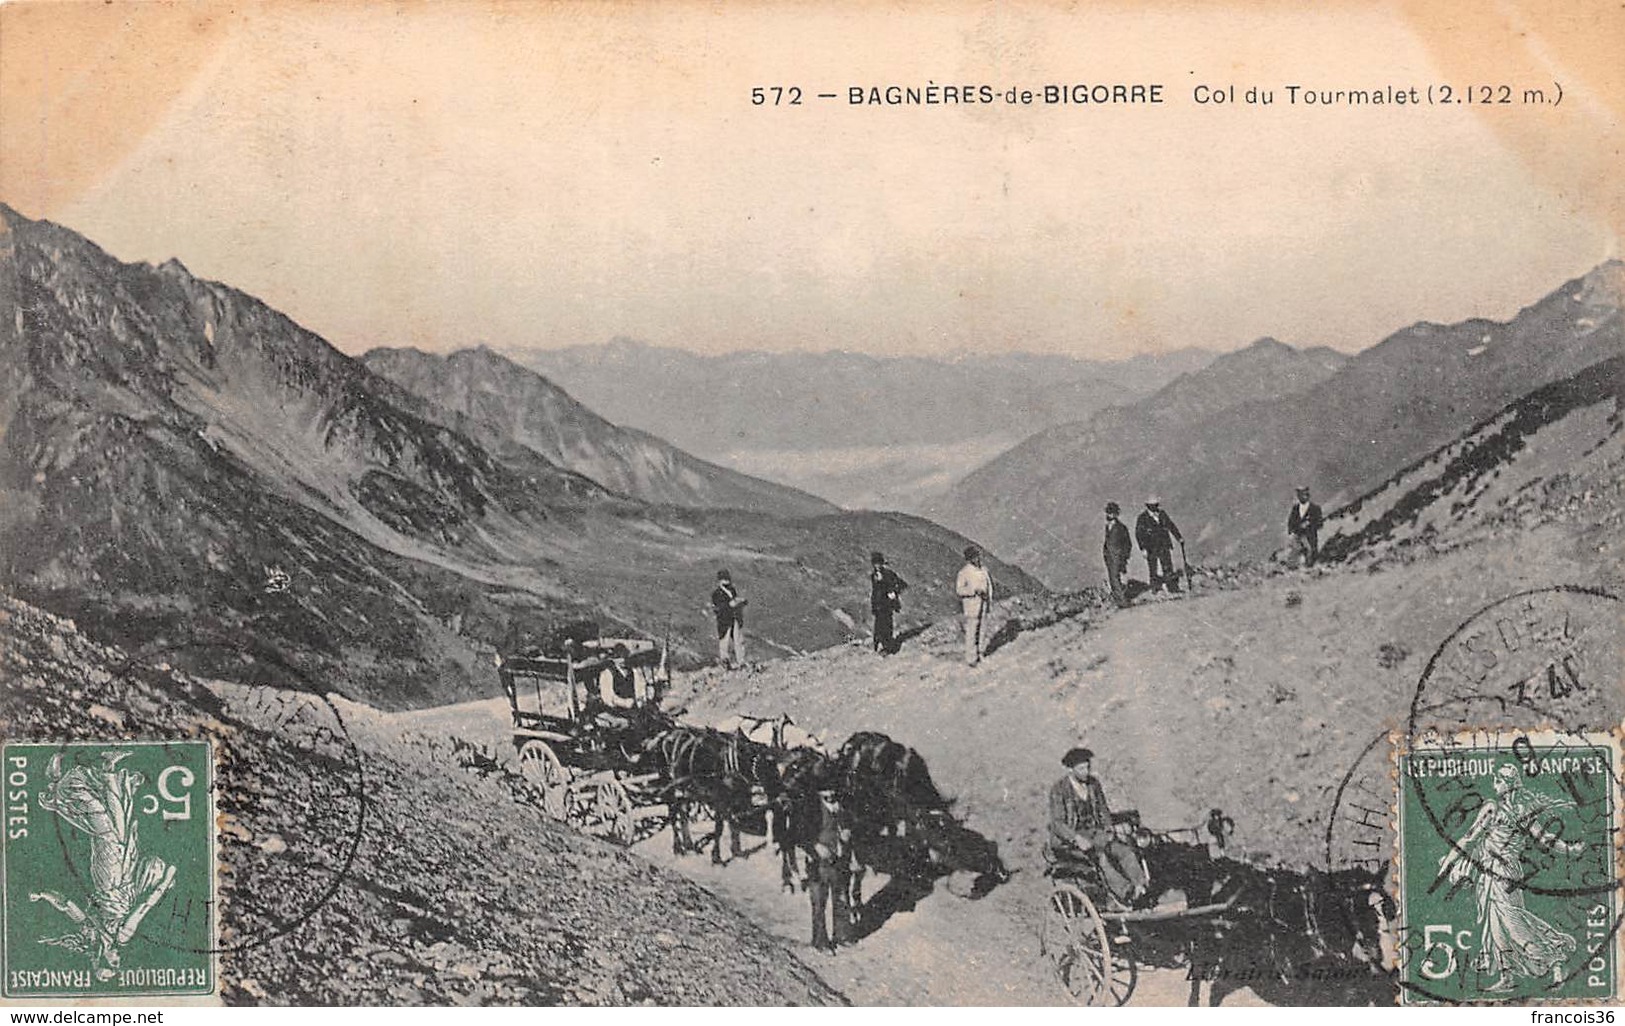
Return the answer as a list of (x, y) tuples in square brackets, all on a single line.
[(1082, 840), (619, 687)]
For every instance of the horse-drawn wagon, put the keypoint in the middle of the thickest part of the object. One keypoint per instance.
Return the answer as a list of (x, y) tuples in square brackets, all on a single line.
[(1218, 919), (584, 714), (1091, 935)]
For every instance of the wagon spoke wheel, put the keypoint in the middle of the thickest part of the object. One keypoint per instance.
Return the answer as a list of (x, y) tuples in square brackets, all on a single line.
[(1078, 946), (614, 812), (540, 765)]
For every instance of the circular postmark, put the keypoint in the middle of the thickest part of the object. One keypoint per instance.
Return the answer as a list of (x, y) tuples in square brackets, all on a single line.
[(1546, 658), (1525, 683), (1508, 781), (289, 790)]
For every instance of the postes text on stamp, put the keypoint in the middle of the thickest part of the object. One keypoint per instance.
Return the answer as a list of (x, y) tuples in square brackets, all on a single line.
[(109, 865), (1508, 867)]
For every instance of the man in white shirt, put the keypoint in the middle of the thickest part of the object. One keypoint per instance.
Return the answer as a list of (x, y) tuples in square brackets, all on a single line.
[(974, 586)]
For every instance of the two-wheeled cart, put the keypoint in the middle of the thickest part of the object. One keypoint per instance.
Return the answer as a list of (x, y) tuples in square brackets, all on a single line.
[(1092, 937)]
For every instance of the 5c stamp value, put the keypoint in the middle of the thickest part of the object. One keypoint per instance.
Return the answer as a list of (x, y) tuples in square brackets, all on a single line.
[(109, 866), (1508, 867)]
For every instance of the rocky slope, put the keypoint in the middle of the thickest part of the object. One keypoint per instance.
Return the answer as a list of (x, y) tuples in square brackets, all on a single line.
[(493, 905), (183, 468), (1498, 473), (501, 404), (1227, 477)]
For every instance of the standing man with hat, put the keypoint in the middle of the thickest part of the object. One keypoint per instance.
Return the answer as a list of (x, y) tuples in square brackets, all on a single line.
[(885, 600), (974, 586), (1303, 524), (1156, 532), (1080, 831), (729, 608), (1116, 550)]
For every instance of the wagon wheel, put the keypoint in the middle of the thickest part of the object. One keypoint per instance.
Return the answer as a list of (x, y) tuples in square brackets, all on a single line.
[(614, 812), (1078, 944), (540, 765)]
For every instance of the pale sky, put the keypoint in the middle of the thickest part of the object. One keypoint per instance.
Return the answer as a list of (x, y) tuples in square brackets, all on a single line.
[(548, 175)]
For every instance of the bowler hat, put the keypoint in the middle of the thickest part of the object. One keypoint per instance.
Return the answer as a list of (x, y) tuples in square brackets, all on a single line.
[(877, 558), (1075, 756)]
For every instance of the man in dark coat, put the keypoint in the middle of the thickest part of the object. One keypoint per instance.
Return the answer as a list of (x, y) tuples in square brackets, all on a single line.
[(1303, 524), (1156, 532), (1116, 550), (885, 600), (1080, 831), (730, 613)]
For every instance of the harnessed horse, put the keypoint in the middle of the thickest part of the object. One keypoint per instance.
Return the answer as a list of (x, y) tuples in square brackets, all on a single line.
[(724, 771)]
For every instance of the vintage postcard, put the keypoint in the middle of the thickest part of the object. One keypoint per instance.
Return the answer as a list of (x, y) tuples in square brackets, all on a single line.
[(811, 504)]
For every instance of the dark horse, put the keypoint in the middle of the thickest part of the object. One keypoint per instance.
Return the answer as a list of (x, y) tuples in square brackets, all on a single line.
[(733, 776), (903, 826), (1295, 937), (888, 784), (812, 819)]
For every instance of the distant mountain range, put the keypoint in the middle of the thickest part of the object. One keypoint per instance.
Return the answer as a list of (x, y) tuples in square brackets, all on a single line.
[(184, 469), (859, 430), (1225, 446), (499, 403)]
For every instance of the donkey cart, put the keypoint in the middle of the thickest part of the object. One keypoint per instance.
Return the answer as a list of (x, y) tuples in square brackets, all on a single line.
[(583, 717)]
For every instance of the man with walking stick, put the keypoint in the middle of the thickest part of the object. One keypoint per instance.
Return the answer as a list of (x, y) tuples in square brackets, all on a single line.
[(1156, 532), (974, 586)]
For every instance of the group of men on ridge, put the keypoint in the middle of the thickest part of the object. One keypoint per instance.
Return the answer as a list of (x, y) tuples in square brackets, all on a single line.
[(1155, 533)]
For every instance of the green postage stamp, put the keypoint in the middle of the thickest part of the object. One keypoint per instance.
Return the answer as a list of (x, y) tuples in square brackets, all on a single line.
[(109, 866), (1508, 868)]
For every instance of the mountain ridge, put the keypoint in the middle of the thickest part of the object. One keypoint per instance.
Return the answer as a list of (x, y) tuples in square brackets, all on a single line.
[(182, 465), (1226, 474), (502, 403)]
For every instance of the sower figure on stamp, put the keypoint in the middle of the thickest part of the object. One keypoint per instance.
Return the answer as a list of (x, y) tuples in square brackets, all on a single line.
[(1080, 833), (730, 613), (124, 885), (885, 601), (1116, 551), (1490, 854), (1156, 532), (974, 586), (1303, 524)]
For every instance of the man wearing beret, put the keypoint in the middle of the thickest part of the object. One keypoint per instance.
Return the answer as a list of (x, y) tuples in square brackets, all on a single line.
[(1080, 830)]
